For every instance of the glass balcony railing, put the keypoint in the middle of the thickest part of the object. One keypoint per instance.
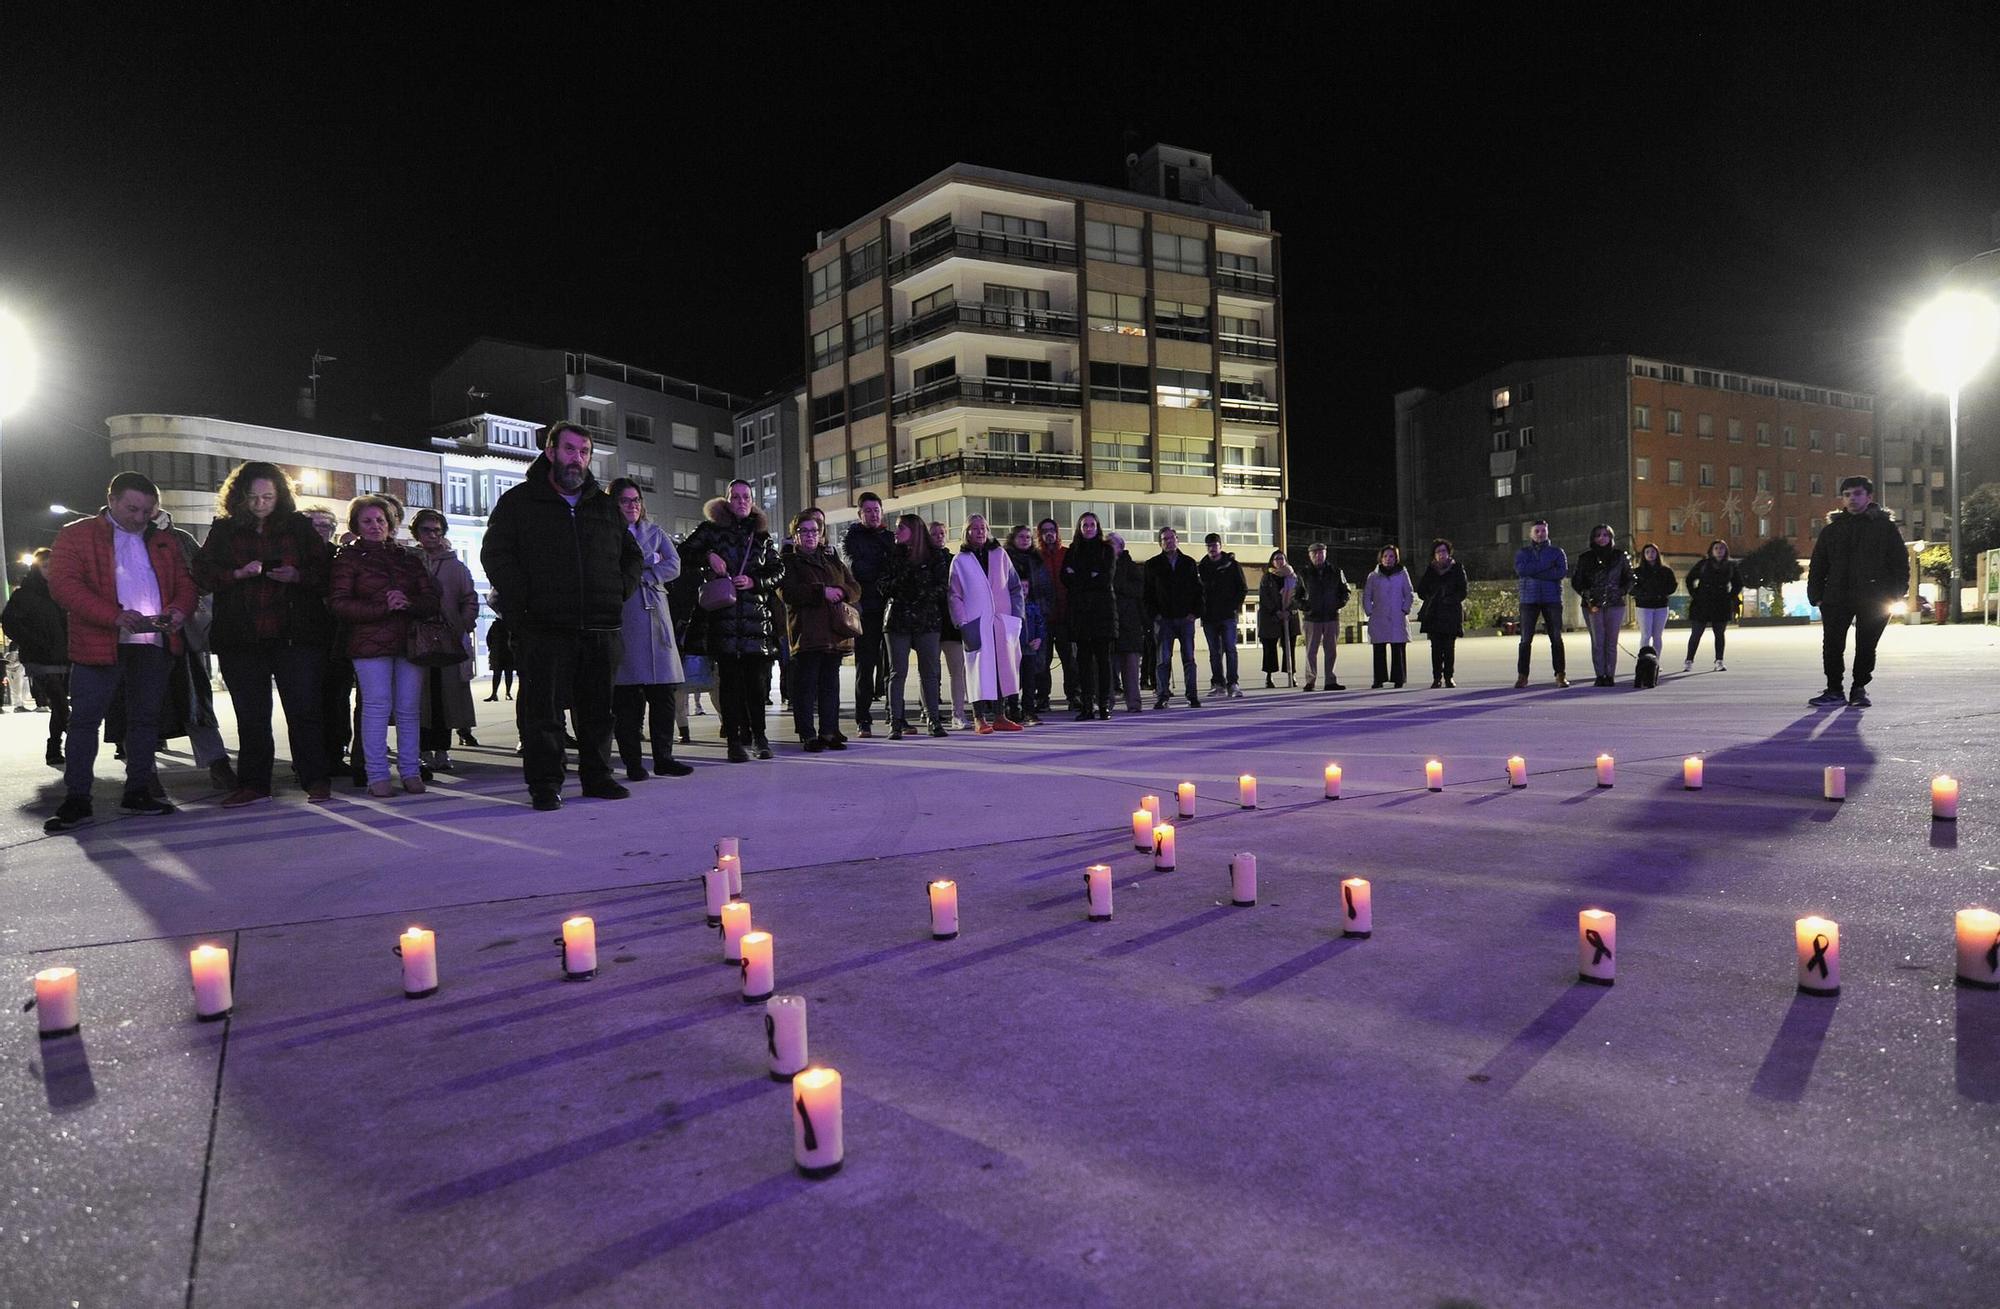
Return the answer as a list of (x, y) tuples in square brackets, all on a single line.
[(961, 389), (1243, 409), (977, 317), (1252, 479), (1247, 347), (978, 243), (1242, 279), (999, 467)]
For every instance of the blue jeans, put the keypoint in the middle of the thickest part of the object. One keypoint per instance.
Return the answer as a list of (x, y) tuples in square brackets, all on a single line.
[(1166, 631), (142, 671), (1551, 615), (1221, 652), (389, 683)]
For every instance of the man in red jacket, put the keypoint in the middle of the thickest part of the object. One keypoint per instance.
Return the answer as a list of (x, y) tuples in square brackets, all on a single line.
[(126, 587)]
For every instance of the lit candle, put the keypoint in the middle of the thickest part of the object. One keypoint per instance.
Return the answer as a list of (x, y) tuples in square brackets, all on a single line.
[(758, 969), (1819, 956), (1097, 884), (1596, 942), (715, 890), (1243, 880), (1691, 773), (56, 1007), (735, 924), (944, 910), (817, 1147), (213, 998), (1142, 829), (418, 947), (1606, 772), (732, 846), (1246, 791), (732, 869), (1978, 949), (579, 943), (785, 1034), (1151, 804), (1434, 775), (1185, 793), (1163, 846), (1357, 908), (1835, 782), (1517, 771), (1333, 781), (1944, 798)]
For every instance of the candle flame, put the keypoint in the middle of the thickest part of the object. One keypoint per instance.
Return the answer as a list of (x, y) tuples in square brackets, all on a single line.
[(941, 884), (1595, 914), (578, 921), (54, 974), (814, 1078), (1355, 881), (1814, 923), (206, 952), (1604, 759), (749, 937)]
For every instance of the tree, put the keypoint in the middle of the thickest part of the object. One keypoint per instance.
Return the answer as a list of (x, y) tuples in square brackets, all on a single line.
[(1770, 566), (1935, 563), (1979, 520)]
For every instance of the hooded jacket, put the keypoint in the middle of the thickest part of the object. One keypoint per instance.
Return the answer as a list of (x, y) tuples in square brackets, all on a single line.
[(1652, 582), (1222, 587), (558, 567), (34, 622), (1713, 588), (1603, 575), (1858, 561), (745, 546)]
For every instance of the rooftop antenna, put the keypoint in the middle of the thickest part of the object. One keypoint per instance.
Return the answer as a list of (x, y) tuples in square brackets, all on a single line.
[(474, 393), (312, 377)]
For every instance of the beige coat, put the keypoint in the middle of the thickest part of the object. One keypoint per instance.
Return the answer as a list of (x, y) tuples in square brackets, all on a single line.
[(458, 605)]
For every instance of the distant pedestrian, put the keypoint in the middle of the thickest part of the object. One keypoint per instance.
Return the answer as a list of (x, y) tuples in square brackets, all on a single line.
[(1174, 598), (1652, 585), (950, 648), (378, 588), (1714, 585), (917, 581), (1128, 589), (38, 634), (1326, 594), (987, 601), (1090, 618), (1223, 588), (447, 689), (1603, 579), (1442, 586), (740, 637), (1541, 568), (650, 671), (1039, 594), (866, 546), (1277, 616), (1386, 598), (1859, 568), (816, 584), (499, 657), (1060, 649)]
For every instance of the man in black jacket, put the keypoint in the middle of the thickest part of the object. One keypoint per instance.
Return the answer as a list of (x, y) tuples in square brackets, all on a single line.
[(1222, 590), (1326, 595), (1173, 597), (867, 546), (39, 630), (562, 564), (1859, 568)]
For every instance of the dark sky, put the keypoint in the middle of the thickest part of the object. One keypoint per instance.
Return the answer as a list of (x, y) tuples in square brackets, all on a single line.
[(188, 212)]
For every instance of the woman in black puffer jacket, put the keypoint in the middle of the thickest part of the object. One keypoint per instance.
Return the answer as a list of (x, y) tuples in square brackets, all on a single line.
[(1128, 593), (915, 580), (1652, 583), (1093, 614), (736, 543), (1713, 587)]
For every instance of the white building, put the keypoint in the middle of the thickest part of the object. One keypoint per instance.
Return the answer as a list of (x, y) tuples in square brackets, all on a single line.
[(483, 457)]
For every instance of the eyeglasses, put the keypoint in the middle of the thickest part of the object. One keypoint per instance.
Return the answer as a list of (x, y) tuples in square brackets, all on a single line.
[(430, 529)]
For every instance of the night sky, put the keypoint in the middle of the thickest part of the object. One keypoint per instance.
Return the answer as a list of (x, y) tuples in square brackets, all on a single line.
[(189, 212)]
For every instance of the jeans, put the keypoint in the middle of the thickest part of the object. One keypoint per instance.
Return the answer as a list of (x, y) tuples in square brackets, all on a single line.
[(926, 646), (1392, 662), (1694, 641), (1653, 628), (1221, 653), (561, 670), (867, 663), (741, 683), (816, 691), (1167, 631), (1319, 635), (1552, 616), (1604, 627), (389, 683), (954, 664), (1834, 623), (635, 709), (141, 671), (248, 673)]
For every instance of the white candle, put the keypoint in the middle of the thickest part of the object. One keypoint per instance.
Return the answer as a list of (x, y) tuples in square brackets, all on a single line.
[(1333, 781), (785, 1035), (579, 943), (1606, 770), (1517, 771), (56, 1008), (1163, 846), (1357, 908), (1819, 956), (728, 845), (1151, 804), (1142, 829), (1834, 782), (1691, 773), (944, 910), (213, 997), (735, 925), (715, 892), (1434, 775), (1243, 880), (1185, 794), (1097, 884), (817, 1147), (1944, 798), (1246, 791), (758, 967), (418, 946), (732, 869), (1979, 948), (1596, 947)]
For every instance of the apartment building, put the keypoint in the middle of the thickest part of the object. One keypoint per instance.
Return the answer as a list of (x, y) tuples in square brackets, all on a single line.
[(1913, 461), (770, 452), (996, 343)]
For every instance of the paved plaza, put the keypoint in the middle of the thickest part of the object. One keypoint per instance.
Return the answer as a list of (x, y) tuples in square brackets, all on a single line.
[(1191, 1104)]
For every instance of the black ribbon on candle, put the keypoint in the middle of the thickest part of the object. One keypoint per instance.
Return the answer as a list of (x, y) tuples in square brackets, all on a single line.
[(812, 1137), (396, 950), (1596, 943), (744, 965), (1348, 892), (1993, 954), (1818, 959), (1159, 841), (771, 1034), (30, 1005)]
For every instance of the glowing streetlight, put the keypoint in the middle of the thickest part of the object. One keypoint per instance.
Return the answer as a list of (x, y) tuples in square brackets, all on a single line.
[(60, 509), (1945, 346), (17, 381)]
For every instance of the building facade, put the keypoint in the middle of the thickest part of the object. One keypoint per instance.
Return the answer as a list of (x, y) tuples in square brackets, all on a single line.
[(771, 453), (482, 458), (1913, 462), (990, 342)]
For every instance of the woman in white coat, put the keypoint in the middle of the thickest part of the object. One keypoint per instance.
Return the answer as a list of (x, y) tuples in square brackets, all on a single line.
[(1386, 597), (986, 605)]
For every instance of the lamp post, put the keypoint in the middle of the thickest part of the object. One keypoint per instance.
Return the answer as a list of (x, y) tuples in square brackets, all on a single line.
[(1947, 343), (17, 379)]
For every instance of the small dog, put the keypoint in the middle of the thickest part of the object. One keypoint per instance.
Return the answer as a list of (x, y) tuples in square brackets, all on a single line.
[(1647, 672)]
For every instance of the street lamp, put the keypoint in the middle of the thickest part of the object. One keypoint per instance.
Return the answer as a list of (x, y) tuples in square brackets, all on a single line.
[(1947, 343), (17, 380)]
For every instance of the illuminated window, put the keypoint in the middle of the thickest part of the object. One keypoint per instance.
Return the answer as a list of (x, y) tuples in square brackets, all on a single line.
[(1642, 469), (1183, 388), (1502, 397), (1503, 487), (1112, 312)]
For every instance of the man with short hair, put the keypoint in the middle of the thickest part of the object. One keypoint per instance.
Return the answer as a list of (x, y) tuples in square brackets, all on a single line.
[(1326, 595), (1859, 568), (866, 545), (1222, 590), (562, 565), (126, 587), (1057, 649), (1541, 567), (1174, 598)]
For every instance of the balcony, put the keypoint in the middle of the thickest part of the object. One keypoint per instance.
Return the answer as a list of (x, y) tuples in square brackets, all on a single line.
[(1243, 409), (966, 390), (1242, 279), (1251, 479), (977, 317), (1248, 347), (981, 464), (977, 243)]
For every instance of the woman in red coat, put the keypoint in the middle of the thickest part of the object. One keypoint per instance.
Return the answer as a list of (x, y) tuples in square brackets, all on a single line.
[(378, 588)]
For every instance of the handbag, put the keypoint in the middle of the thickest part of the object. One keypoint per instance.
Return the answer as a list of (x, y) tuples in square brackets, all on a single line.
[(432, 644), (844, 619), (720, 592)]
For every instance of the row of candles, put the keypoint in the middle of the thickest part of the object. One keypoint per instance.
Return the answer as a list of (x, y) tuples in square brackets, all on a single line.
[(1833, 784)]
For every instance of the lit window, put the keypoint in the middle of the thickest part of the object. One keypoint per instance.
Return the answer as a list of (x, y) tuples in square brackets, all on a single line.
[(1503, 487), (1502, 397), (1642, 469), (1122, 314), (686, 437)]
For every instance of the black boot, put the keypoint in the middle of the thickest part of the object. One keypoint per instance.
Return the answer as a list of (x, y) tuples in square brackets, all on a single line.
[(664, 762), (760, 747)]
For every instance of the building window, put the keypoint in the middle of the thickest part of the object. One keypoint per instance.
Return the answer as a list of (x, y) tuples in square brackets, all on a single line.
[(367, 484), (871, 464), (864, 263), (768, 432), (1503, 487), (1502, 442), (825, 282), (1179, 321), (1237, 263), (1812, 439), (1840, 443), (1126, 383), (638, 427), (1642, 416), (1673, 422), (1791, 438), (1704, 426), (1527, 484), (829, 345), (722, 488), (1763, 434), (938, 299), (767, 491), (1112, 312), (1706, 475), (1736, 431), (457, 492), (596, 420), (1503, 533), (830, 475), (420, 495), (1813, 484), (1645, 519), (865, 330), (1763, 479), (1187, 456), (1791, 525), (1673, 472), (1707, 524), (1502, 397), (1115, 243), (1184, 388), (1233, 326), (828, 411), (867, 398), (1791, 482), (640, 473), (1013, 225), (1180, 254), (1526, 437), (686, 437), (1675, 522), (1642, 469), (1119, 452), (746, 440), (1735, 477), (1867, 444), (687, 483)]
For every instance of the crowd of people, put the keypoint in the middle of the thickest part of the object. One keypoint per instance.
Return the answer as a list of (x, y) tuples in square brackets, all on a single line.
[(610, 625)]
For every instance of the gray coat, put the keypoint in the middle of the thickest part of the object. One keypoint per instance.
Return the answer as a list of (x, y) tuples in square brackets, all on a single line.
[(1386, 600), (458, 605), (651, 657)]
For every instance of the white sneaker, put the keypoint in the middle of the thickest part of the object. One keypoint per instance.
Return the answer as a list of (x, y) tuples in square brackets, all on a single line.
[(1719, 668), (1688, 667)]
